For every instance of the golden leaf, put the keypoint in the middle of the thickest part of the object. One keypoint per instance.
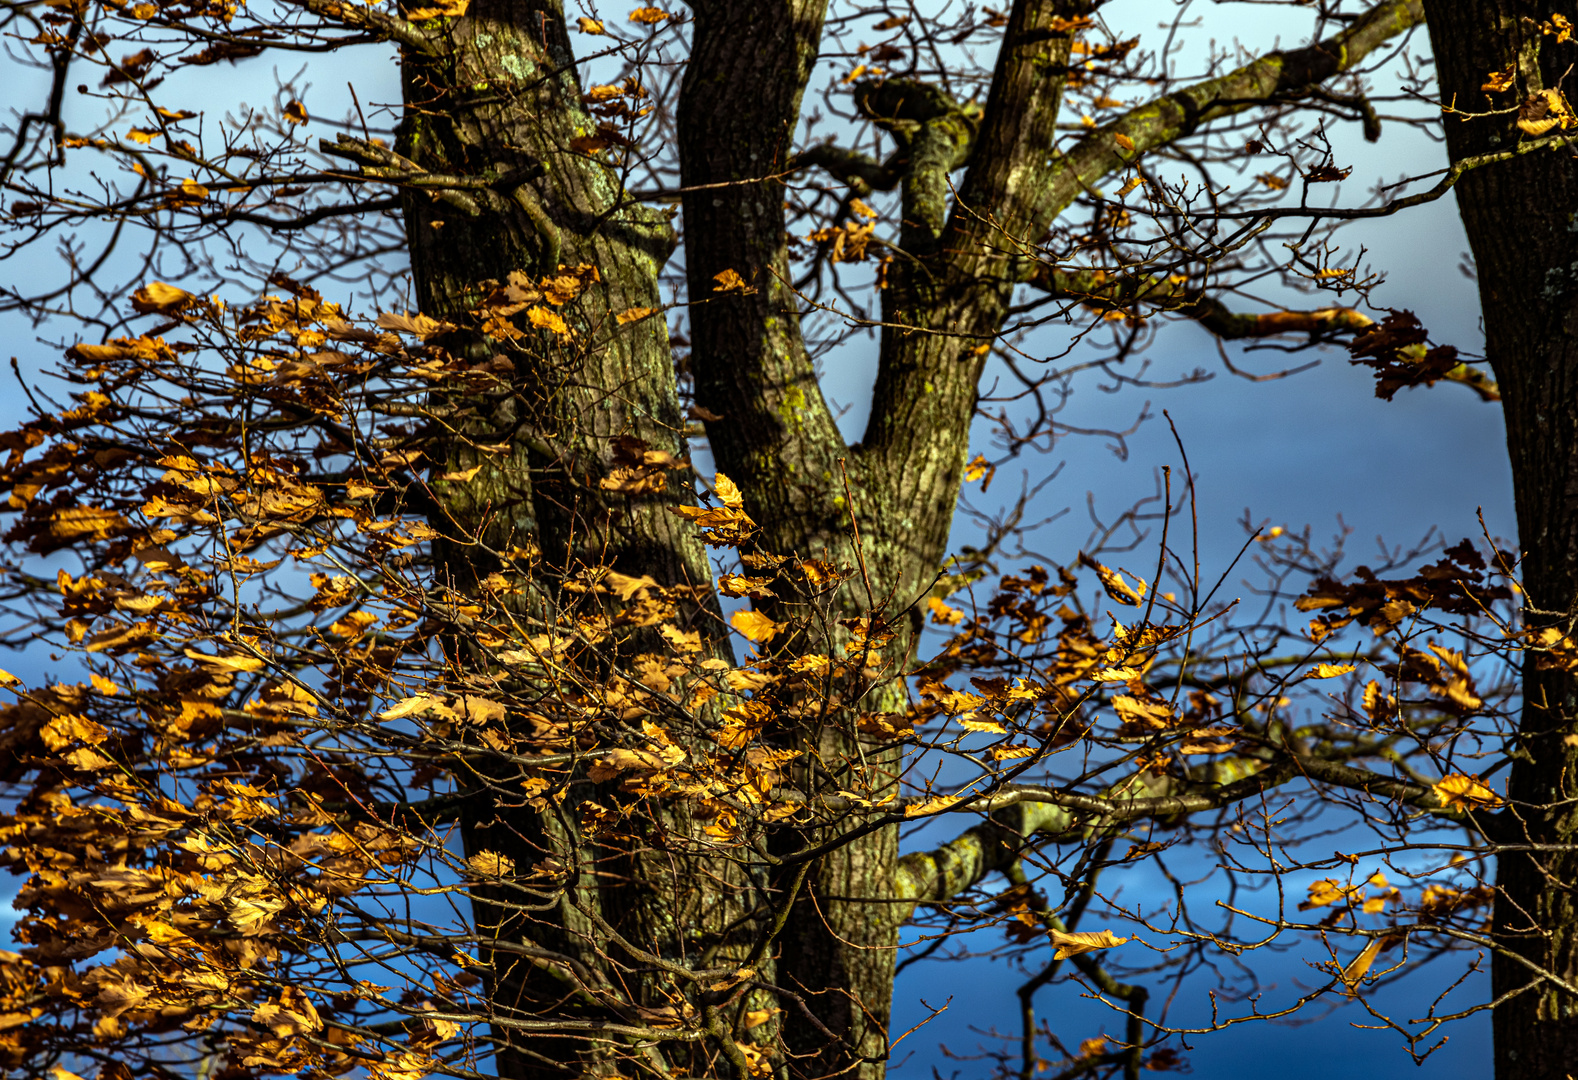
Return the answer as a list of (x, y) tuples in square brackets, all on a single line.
[(591, 26), (1129, 185), (1465, 792), (459, 476), (295, 113), (728, 492), (943, 614), (932, 805), (730, 281), (491, 864), (409, 707), (231, 662), (447, 9), (157, 298), (1086, 941), (8, 680), (1093, 1047), (1361, 964), (1114, 584), (1123, 141), (647, 16), (625, 586), (980, 469), (1328, 891), (1329, 671), (543, 319), (685, 641), (755, 626), (634, 314)]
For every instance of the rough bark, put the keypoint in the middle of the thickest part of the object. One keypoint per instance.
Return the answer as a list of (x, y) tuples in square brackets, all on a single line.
[(1520, 218), (501, 102)]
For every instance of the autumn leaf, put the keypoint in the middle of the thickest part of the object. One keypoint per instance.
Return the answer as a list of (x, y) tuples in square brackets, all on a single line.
[(755, 626), (728, 492), (635, 314), (979, 469), (447, 9), (730, 281), (943, 614), (590, 26), (1114, 584), (157, 298), (1068, 944), (1465, 792), (490, 864), (543, 319), (411, 706), (295, 113), (1360, 964), (1329, 671), (1123, 141), (647, 16), (8, 680), (934, 804), (1130, 184)]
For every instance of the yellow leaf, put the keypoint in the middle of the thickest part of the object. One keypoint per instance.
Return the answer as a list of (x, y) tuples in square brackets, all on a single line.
[(449, 9), (491, 864), (1095, 1047), (295, 113), (730, 281), (684, 641), (1129, 185), (543, 319), (633, 314), (233, 662), (757, 1017), (591, 26), (409, 707), (728, 492), (157, 298), (142, 135), (461, 476), (1115, 674), (1114, 584), (942, 613), (1329, 671), (8, 680), (1086, 941), (1123, 141), (647, 16), (626, 586), (977, 468), (1466, 792), (932, 805), (755, 626), (1361, 964)]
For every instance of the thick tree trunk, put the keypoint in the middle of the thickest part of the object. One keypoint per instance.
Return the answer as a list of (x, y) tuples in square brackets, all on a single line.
[(502, 104), (1522, 221)]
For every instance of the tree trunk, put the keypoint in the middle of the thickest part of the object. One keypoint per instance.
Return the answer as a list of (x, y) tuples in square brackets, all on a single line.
[(1522, 221), (502, 104)]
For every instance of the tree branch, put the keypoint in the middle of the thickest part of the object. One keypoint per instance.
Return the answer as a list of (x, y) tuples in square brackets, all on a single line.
[(1277, 75)]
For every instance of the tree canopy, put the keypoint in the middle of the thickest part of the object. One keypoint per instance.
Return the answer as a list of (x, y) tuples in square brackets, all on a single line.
[(480, 651)]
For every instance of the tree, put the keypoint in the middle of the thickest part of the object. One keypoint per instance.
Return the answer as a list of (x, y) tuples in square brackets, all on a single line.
[(423, 734)]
